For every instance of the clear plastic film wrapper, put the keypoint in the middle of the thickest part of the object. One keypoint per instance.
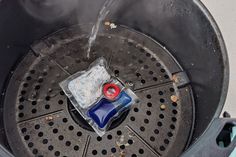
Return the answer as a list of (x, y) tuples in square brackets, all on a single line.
[(98, 96)]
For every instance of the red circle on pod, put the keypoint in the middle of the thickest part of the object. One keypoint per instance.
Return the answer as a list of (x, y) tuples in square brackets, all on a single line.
[(111, 91)]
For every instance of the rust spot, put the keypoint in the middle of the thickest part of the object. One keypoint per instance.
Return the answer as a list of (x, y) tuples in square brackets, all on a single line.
[(174, 98), (163, 107), (49, 118), (122, 154), (107, 23), (175, 78)]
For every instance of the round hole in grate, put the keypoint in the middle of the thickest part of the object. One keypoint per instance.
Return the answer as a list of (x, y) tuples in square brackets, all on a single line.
[(166, 77), (34, 110), (156, 131), (162, 148), (21, 107), (152, 138), (132, 118), (47, 98), (60, 102), (55, 131), (143, 81), (76, 148), (50, 123), (79, 133), (34, 103), (71, 128), (172, 126), (37, 126), (22, 99), (109, 137), (172, 90), (161, 116), (37, 87), (119, 132), (68, 143), (142, 128), (174, 119), (61, 137), (99, 138), (45, 141), (163, 70), (21, 115), (140, 61), (47, 107), (141, 151), (23, 130), (159, 123), (136, 109), (57, 153), (50, 147), (40, 134), (116, 72), (133, 155), (174, 111), (23, 92), (146, 121), (32, 71), (160, 93), (25, 85), (113, 150), (148, 55), (94, 152), (138, 74), (149, 104), (40, 80), (130, 141), (169, 134), (148, 113), (35, 151), (27, 137), (28, 78), (149, 96), (62, 93), (162, 100), (154, 79), (174, 104), (153, 59), (30, 145), (166, 141), (122, 147), (104, 152), (65, 120)]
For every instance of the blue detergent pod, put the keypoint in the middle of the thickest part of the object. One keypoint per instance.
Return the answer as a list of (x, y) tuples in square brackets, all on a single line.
[(98, 96), (106, 110)]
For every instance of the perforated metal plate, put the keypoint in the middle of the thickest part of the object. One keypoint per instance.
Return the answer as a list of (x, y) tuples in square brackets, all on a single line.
[(40, 121)]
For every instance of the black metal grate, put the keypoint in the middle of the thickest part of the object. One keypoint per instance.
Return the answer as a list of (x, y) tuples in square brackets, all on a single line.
[(45, 124)]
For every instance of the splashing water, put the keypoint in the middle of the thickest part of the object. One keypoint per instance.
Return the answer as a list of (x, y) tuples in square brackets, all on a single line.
[(102, 15)]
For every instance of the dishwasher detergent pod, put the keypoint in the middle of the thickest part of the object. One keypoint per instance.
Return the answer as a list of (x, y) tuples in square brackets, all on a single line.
[(98, 96)]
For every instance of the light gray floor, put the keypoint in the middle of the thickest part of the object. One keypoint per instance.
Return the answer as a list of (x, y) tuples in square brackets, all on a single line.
[(224, 12)]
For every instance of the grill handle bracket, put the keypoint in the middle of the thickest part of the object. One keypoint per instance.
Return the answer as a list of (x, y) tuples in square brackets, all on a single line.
[(209, 145)]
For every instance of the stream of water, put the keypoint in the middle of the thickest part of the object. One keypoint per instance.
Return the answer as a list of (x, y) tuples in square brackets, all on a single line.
[(102, 15)]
